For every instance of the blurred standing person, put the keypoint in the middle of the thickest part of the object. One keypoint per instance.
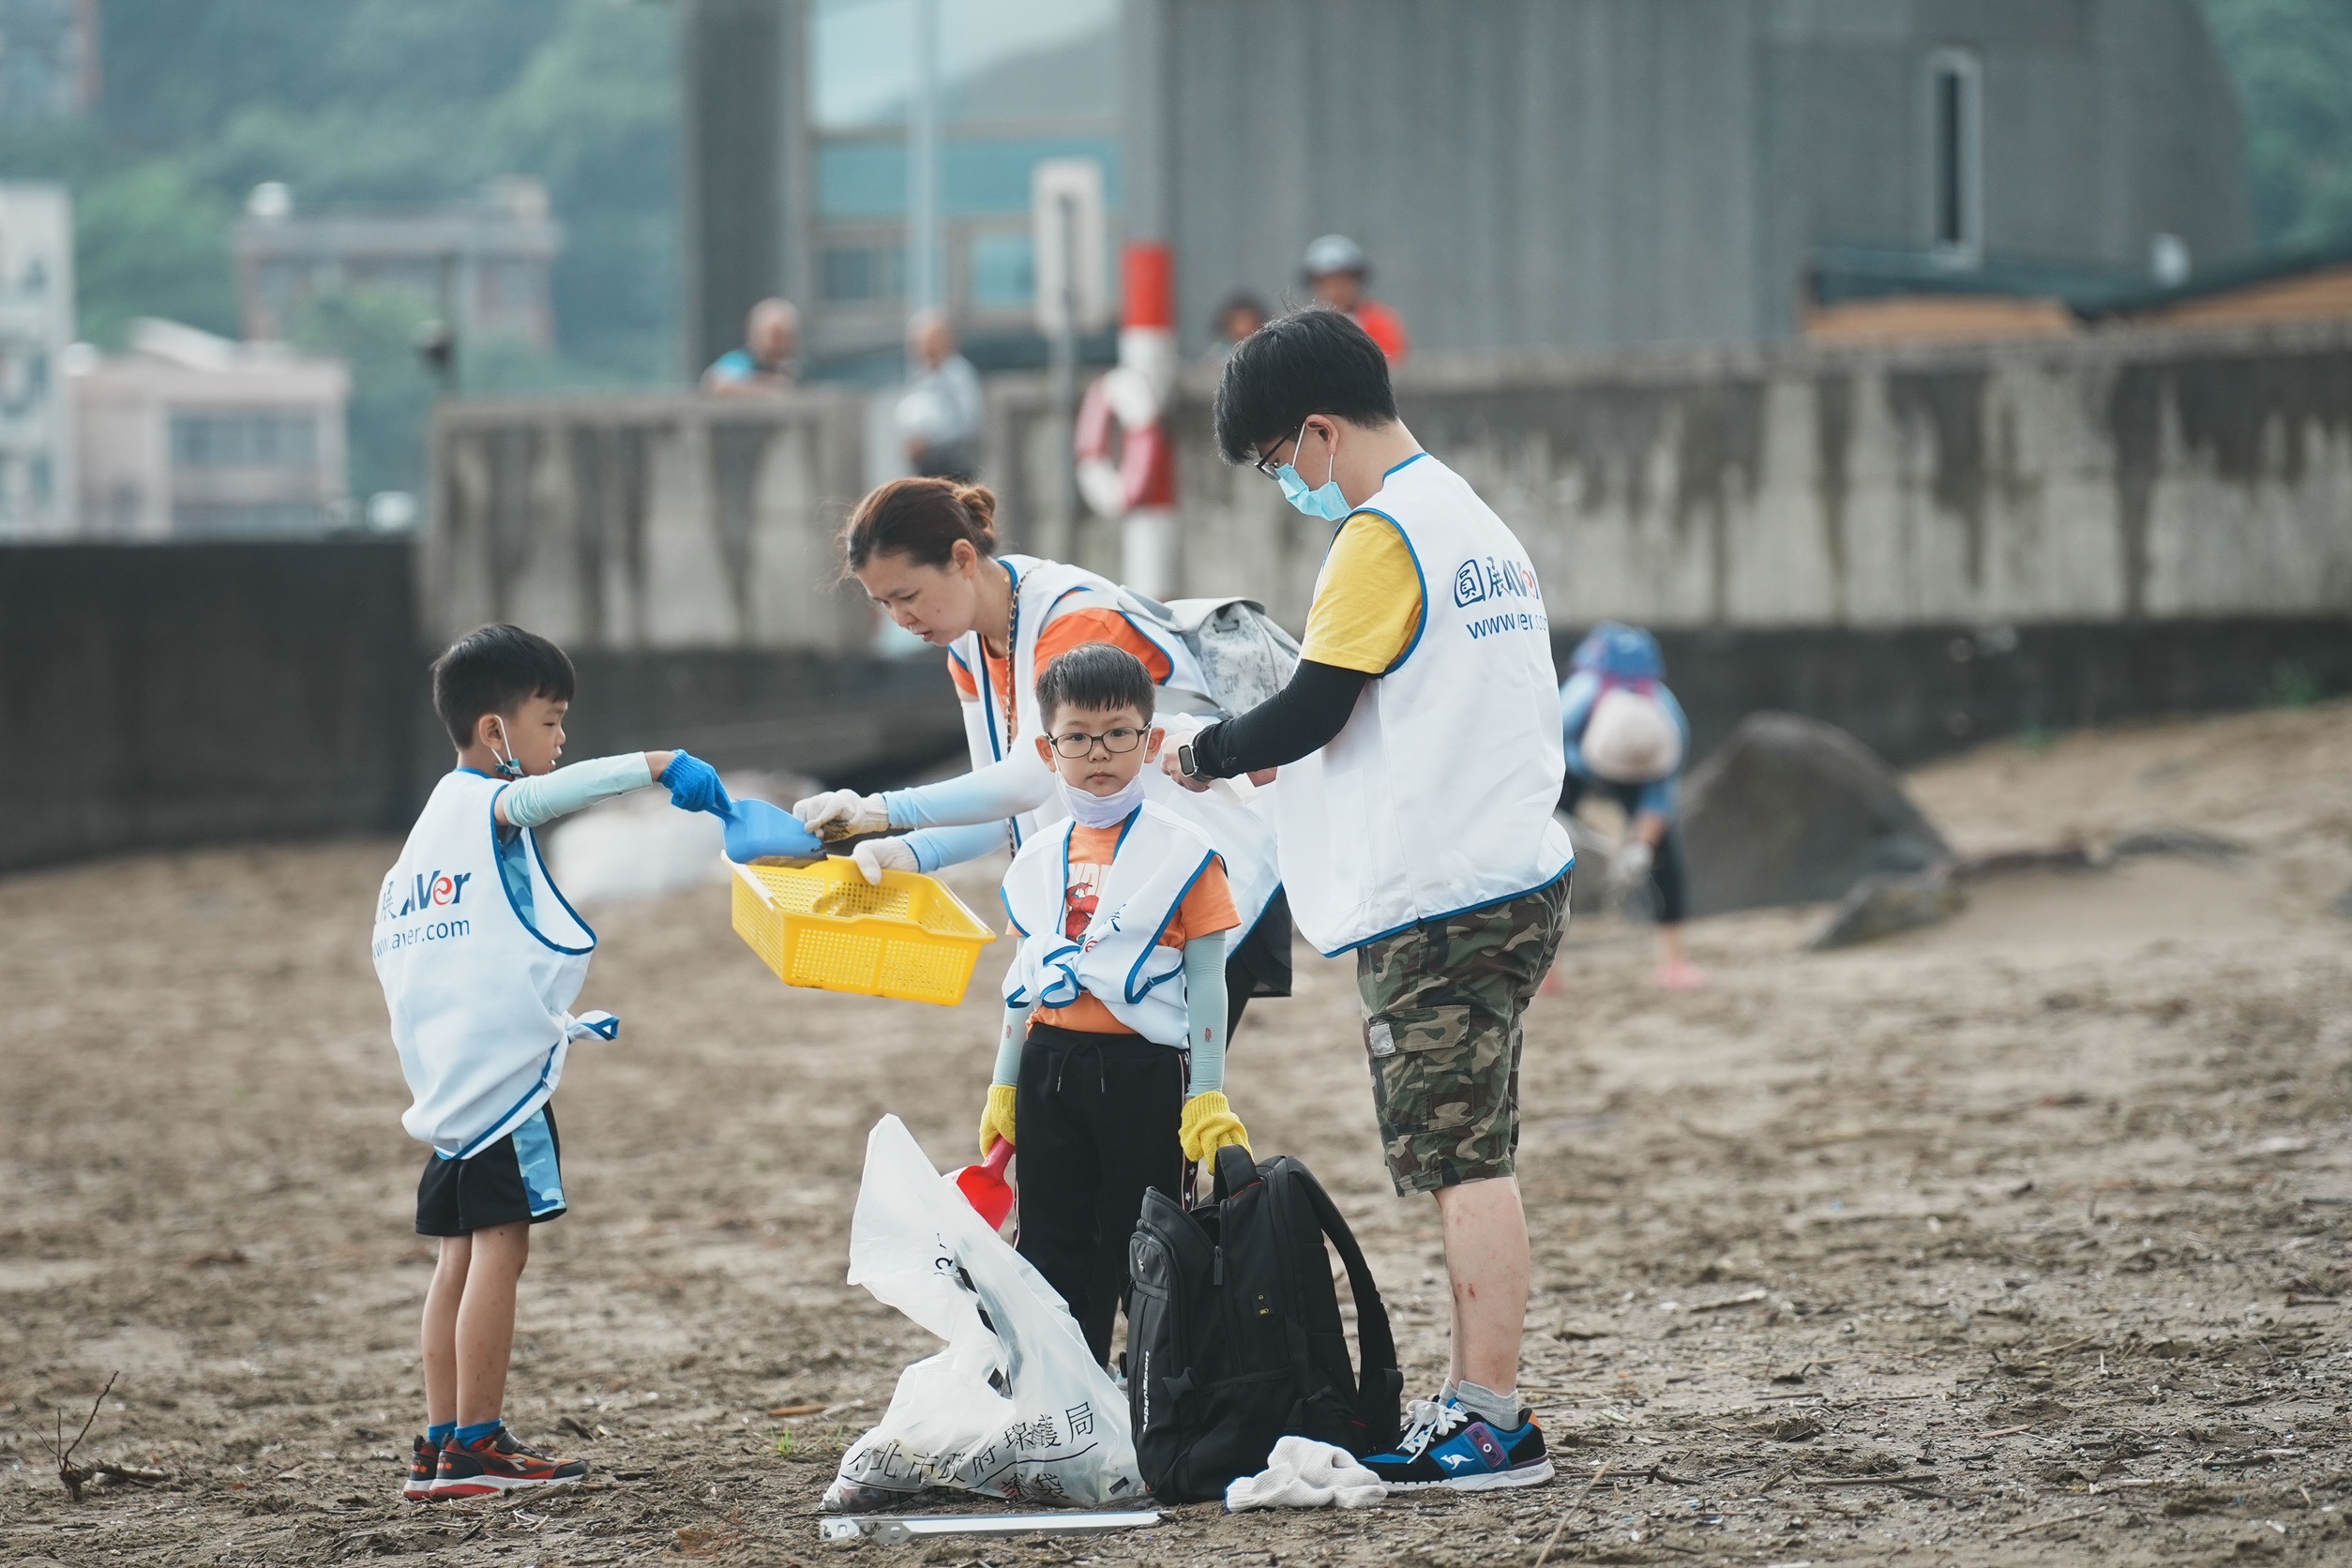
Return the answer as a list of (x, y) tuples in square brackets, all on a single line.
[(1335, 270), (941, 414), (1627, 738), (768, 362), (1241, 314)]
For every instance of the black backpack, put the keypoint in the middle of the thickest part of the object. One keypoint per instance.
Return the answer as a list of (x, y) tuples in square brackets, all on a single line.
[(1234, 1331)]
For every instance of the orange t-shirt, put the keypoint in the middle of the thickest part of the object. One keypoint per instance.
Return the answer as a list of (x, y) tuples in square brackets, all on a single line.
[(1207, 910), (1071, 630), (1384, 327)]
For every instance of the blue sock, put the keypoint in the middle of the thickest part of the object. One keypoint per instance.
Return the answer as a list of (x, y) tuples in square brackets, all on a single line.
[(440, 1432), (468, 1436)]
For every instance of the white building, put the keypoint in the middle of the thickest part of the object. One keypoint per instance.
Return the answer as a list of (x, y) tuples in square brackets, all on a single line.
[(193, 436), (36, 468)]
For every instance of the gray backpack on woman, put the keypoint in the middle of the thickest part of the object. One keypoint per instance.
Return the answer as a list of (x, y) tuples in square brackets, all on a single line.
[(1243, 653)]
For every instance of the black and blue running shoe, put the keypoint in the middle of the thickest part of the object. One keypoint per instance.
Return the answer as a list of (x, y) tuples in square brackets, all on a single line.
[(1444, 1445)]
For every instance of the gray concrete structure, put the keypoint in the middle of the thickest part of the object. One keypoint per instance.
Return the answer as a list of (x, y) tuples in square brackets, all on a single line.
[(207, 692), (1606, 172), (2109, 478), (2113, 477), (1524, 173)]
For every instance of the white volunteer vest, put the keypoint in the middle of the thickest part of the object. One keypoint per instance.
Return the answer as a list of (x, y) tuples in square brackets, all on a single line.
[(1437, 796), (1118, 960), (1238, 828), (478, 995)]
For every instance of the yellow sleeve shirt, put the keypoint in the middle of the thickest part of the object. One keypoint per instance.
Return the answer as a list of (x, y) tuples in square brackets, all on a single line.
[(1367, 606)]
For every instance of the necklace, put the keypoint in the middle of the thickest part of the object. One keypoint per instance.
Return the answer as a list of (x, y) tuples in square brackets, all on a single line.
[(1012, 651), (1012, 681)]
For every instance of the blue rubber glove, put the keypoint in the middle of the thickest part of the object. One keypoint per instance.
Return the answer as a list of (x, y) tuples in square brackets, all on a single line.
[(756, 830), (694, 784)]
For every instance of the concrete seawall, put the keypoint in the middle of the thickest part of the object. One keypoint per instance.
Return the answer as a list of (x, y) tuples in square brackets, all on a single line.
[(1927, 547), (2110, 478), (2107, 478)]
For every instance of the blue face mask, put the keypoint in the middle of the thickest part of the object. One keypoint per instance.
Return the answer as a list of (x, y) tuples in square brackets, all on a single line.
[(1324, 501)]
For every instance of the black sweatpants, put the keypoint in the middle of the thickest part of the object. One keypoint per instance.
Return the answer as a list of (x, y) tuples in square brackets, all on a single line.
[(1665, 866), (1097, 1116)]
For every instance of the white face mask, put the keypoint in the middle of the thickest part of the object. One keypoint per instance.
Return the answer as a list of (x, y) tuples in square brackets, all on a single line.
[(1094, 810)]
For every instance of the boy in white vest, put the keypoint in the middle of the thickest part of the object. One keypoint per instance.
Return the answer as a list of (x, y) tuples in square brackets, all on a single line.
[(1420, 757), (1110, 1071), (481, 957)]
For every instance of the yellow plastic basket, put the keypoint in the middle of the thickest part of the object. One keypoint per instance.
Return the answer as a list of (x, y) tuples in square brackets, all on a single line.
[(822, 925)]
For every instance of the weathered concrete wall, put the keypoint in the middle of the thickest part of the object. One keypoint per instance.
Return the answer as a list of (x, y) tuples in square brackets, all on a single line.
[(166, 695), (2116, 477), (2110, 478), (665, 522)]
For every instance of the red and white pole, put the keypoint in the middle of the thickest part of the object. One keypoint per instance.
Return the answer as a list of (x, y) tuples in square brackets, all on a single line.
[(1147, 354)]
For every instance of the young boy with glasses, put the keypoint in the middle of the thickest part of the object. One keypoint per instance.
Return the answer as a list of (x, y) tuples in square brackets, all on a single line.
[(1112, 1065)]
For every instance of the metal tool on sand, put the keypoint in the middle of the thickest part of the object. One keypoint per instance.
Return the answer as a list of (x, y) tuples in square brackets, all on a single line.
[(896, 1529)]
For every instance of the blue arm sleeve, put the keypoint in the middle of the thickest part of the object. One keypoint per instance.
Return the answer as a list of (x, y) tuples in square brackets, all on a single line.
[(1204, 998), (988, 794), (1009, 1046), (935, 846), (1576, 698), (529, 802)]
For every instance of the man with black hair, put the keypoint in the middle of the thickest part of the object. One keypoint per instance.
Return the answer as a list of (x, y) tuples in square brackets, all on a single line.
[(481, 957), (1420, 757)]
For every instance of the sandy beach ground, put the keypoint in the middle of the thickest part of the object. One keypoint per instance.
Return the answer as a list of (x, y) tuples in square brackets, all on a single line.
[(2025, 1239)]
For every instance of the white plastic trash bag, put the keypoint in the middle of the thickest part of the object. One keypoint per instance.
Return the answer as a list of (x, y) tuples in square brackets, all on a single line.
[(1015, 1406)]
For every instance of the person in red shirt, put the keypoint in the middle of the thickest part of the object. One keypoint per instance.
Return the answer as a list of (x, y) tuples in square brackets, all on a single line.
[(1335, 270)]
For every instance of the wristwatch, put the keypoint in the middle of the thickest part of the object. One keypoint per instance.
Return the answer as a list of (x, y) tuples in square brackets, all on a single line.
[(1185, 761)]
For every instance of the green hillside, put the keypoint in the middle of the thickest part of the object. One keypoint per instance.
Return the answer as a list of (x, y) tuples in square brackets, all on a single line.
[(2292, 60), (380, 102)]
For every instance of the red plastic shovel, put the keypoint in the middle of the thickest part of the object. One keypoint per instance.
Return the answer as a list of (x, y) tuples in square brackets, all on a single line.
[(984, 1187)]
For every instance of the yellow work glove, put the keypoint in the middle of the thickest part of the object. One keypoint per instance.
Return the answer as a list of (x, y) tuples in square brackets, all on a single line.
[(1208, 1125), (996, 1123)]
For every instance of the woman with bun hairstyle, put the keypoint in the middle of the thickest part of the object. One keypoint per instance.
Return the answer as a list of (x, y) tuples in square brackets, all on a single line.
[(925, 551)]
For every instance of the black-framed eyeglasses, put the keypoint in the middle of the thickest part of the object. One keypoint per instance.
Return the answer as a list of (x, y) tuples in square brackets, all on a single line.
[(1266, 464), (1077, 742)]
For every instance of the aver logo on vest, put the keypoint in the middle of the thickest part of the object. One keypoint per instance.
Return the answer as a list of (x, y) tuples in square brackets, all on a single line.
[(426, 890)]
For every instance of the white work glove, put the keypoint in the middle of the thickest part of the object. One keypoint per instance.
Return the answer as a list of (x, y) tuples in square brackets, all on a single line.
[(877, 855), (1629, 866), (842, 814)]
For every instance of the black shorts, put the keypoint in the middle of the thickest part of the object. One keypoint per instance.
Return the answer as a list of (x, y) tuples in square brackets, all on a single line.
[(519, 1178)]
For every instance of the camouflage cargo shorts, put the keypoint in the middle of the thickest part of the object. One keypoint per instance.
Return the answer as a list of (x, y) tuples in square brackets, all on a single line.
[(1442, 1005)]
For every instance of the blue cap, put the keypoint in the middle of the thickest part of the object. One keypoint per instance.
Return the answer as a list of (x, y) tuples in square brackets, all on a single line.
[(1613, 648)]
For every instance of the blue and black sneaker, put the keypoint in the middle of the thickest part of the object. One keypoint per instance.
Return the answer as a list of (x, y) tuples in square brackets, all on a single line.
[(1444, 1445)]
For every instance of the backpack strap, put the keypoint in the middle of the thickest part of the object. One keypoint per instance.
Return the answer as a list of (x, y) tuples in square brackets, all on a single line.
[(1236, 1170), (1380, 1385)]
